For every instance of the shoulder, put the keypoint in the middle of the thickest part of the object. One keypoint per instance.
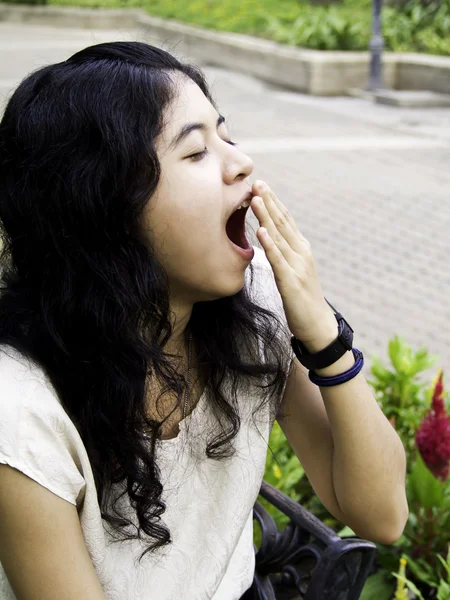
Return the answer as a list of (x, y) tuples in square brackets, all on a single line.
[(25, 390), (18, 374), (37, 437)]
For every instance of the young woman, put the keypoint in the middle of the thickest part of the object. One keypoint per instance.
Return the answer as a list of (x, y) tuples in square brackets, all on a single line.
[(146, 346)]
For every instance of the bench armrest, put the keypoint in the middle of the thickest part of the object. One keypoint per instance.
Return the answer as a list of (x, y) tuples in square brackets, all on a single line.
[(307, 560)]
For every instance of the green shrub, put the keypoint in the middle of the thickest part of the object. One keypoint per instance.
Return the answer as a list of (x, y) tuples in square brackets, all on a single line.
[(325, 29), (406, 399), (442, 587), (400, 389), (410, 26), (431, 42), (33, 2), (418, 27)]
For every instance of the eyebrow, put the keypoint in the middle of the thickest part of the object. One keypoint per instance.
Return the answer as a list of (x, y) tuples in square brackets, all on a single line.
[(188, 128)]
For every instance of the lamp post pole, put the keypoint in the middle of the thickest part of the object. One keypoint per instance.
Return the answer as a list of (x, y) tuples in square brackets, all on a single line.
[(376, 49)]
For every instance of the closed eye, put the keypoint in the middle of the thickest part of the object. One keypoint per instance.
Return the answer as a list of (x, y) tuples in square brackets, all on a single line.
[(199, 155)]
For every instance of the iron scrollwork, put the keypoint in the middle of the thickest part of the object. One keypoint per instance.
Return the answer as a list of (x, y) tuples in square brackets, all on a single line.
[(308, 560)]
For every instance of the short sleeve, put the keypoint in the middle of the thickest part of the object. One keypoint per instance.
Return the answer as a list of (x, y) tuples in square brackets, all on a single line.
[(37, 437)]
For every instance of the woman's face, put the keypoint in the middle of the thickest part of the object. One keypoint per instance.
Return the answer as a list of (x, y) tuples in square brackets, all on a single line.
[(185, 219)]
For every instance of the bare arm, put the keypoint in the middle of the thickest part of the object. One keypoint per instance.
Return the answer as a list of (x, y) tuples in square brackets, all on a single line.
[(41, 543), (350, 452)]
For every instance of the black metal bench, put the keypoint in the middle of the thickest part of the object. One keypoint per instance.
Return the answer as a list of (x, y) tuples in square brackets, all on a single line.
[(308, 560)]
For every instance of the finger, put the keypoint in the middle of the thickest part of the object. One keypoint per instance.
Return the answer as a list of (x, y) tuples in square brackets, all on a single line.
[(285, 215), (265, 220), (283, 210), (281, 216), (273, 202), (280, 266), (281, 222)]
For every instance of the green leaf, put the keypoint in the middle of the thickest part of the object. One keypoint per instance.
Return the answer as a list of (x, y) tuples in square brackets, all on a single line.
[(377, 587), (378, 370), (443, 591), (293, 477), (422, 571), (446, 564), (424, 487), (398, 353), (410, 585), (346, 532)]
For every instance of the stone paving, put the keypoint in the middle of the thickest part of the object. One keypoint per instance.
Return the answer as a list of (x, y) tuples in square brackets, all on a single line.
[(368, 185)]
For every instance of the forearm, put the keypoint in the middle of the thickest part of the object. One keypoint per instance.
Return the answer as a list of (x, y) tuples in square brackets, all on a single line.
[(366, 449)]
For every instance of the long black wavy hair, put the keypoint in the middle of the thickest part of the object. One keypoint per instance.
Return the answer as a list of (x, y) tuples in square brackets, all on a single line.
[(84, 297)]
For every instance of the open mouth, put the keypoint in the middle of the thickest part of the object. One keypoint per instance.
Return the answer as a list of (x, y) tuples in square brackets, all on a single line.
[(235, 228)]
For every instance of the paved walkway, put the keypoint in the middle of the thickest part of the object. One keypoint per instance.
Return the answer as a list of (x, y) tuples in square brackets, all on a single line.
[(368, 185)]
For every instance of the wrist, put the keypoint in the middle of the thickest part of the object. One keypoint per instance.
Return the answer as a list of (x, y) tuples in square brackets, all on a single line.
[(324, 346), (323, 337)]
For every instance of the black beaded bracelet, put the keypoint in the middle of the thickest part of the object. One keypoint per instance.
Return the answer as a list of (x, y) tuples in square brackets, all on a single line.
[(342, 377)]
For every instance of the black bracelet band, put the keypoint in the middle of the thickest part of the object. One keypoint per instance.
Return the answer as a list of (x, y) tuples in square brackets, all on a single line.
[(330, 354)]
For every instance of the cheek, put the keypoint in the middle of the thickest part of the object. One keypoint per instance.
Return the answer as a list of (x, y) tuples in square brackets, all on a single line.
[(184, 216), (193, 233), (182, 235)]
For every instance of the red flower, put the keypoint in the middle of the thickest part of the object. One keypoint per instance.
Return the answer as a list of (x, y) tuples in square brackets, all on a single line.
[(433, 435)]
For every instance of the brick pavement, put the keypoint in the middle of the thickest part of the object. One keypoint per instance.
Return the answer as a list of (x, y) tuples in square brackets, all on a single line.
[(369, 186)]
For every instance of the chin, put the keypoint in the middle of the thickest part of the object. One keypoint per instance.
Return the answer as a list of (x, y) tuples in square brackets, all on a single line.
[(223, 289)]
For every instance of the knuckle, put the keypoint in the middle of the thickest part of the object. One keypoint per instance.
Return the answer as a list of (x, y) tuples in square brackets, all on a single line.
[(281, 221), (278, 257), (287, 215), (278, 239)]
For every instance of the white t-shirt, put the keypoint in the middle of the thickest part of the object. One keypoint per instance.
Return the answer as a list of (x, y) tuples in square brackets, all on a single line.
[(209, 504)]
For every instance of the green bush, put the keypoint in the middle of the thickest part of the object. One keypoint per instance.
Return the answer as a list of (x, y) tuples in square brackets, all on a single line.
[(442, 588), (408, 25), (34, 2), (322, 28), (400, 389), (418, 27), (406, 398)]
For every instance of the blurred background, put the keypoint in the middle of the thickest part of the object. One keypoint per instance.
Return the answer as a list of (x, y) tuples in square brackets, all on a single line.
[(344, 107)]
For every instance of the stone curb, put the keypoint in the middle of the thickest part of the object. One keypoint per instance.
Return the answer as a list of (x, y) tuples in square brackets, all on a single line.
[(321, 73)]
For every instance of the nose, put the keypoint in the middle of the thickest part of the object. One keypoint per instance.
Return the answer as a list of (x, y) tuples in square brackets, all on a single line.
[(239, 168)]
